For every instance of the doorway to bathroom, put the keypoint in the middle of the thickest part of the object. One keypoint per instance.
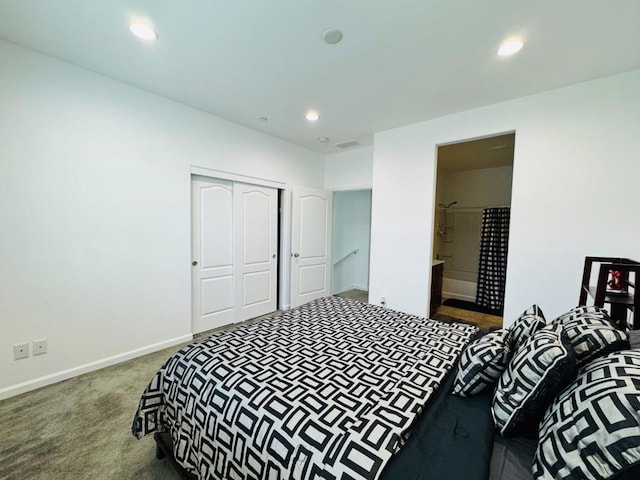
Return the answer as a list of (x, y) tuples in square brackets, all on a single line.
[(471, 229)]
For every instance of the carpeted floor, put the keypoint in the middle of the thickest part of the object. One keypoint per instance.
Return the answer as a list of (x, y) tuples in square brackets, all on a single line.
[(80, 428), (360, 295)]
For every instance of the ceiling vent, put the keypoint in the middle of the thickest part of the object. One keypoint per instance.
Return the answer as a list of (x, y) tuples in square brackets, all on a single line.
[(347, 144)]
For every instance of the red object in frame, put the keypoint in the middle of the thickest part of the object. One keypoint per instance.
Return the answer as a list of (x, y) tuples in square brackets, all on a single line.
[(616, 284)]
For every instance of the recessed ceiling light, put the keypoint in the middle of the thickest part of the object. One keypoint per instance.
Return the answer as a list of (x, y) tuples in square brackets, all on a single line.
[(312, 115), (510, 46), (143, 31), (322, 139), (331, 36)]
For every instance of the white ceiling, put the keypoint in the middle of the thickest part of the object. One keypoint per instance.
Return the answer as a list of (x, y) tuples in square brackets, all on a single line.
[(400, 61)]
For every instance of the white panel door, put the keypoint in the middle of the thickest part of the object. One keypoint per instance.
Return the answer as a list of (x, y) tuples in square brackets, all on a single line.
[(212, 253), (255, 258), (311, 245)]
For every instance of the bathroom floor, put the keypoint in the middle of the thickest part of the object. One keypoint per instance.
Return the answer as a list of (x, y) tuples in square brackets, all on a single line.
[(482, 320)]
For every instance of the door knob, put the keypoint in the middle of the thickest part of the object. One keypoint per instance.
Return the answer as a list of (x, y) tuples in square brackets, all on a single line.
[(273, 256), (296, 254), (194, 263)]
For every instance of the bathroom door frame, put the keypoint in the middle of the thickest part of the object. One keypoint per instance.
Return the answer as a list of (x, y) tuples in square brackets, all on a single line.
[(435, 238)]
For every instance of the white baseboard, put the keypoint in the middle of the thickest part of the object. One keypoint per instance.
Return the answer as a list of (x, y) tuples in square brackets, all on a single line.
[(353, 287), (20, 388)]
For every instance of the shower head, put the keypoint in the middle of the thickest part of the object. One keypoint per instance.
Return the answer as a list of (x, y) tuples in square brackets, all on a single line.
[(442, 205)]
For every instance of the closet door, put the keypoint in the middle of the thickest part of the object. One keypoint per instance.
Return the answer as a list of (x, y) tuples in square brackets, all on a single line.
[(212, 254), (255, 220)]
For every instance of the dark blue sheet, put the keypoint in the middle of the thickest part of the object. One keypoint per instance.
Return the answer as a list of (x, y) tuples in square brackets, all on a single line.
[(452, 440)]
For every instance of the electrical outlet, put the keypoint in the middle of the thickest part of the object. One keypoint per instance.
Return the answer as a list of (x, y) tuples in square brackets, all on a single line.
[(40, 346), (20, 350)]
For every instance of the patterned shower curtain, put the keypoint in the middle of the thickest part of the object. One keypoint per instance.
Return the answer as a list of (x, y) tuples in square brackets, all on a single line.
[(494, 245)]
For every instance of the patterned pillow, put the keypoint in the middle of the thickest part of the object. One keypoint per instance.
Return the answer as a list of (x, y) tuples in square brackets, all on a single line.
[(592, 429), (592, 333), (542, 367), (531, 320), (481, 364)]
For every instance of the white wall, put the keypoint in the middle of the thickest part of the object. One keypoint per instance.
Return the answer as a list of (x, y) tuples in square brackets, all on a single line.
[(349, 174), (477, 188), (575, 188), (95, 212), (349, 170), (351, 230)]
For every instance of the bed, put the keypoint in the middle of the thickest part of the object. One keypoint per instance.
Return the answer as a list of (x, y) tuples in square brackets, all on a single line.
[(329, 390), (356, 391)]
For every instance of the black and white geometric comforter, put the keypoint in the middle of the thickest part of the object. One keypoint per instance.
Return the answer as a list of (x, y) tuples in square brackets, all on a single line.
[(328, 390)]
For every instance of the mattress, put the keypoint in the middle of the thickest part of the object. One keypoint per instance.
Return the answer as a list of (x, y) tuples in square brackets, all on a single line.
[(325, 391)]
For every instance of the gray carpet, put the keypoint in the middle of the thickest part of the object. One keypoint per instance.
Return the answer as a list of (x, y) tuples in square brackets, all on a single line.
[(360, 295), (80, 428)]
